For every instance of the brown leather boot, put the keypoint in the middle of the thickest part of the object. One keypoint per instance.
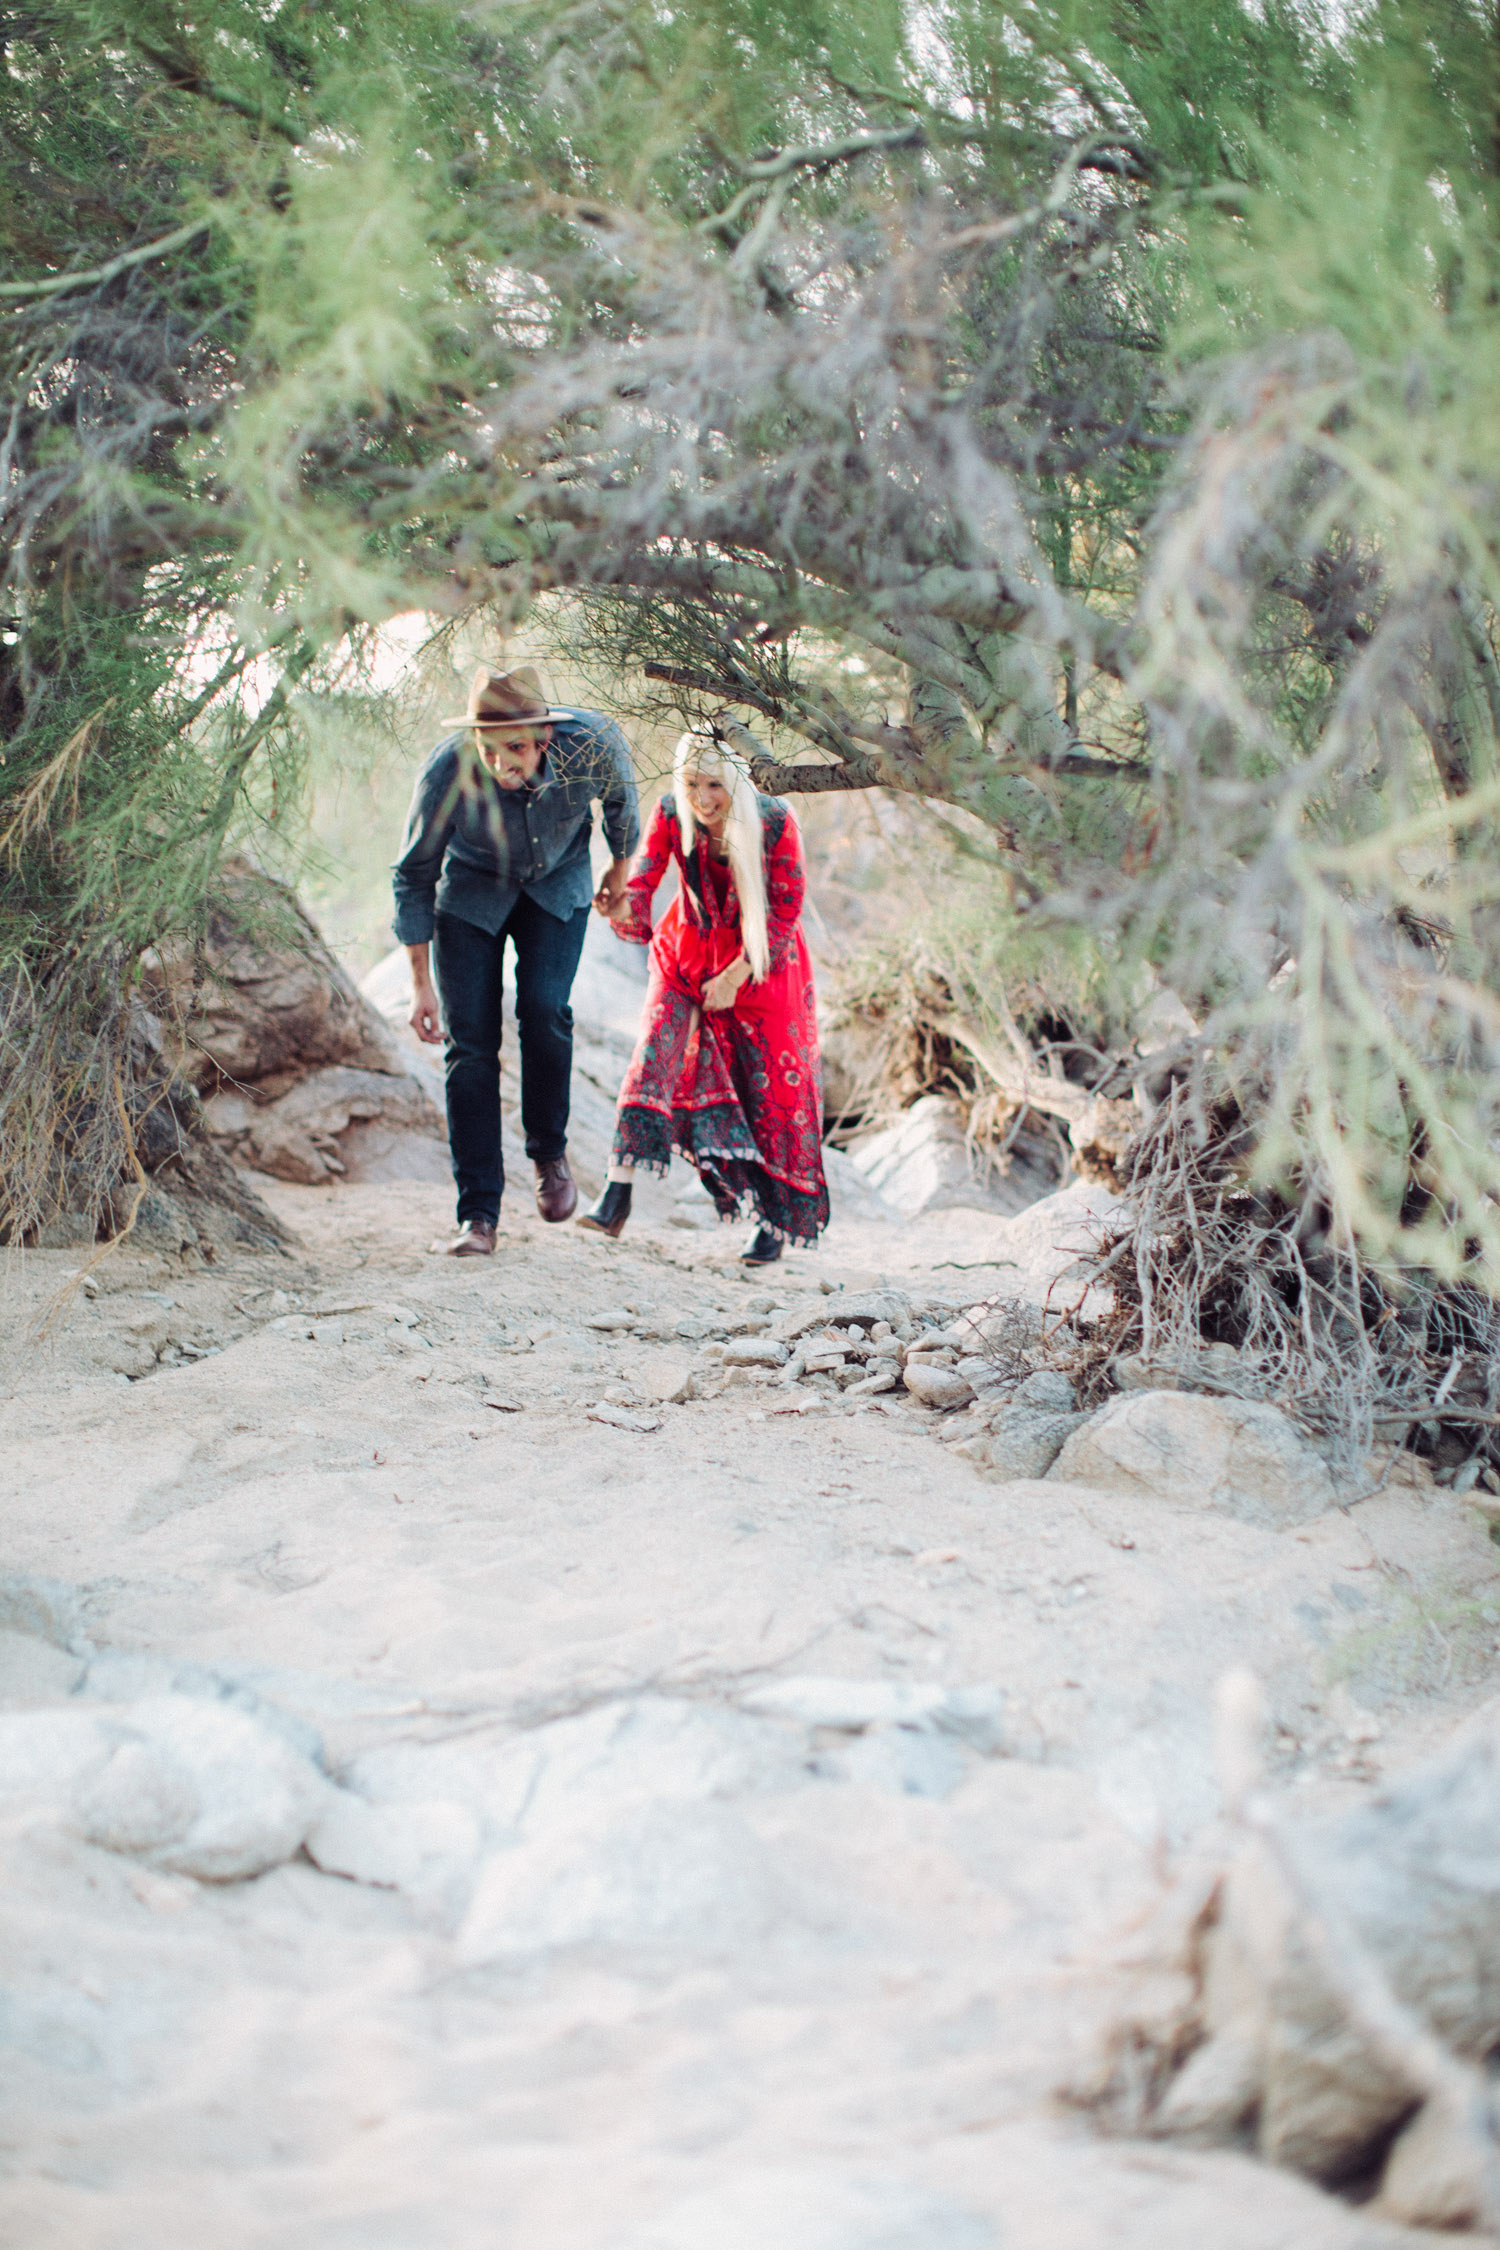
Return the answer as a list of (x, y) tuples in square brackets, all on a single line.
[(476, 1239), (556, 1194)]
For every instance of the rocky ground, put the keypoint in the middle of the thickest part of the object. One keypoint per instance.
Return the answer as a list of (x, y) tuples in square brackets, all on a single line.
[(694, 1805)]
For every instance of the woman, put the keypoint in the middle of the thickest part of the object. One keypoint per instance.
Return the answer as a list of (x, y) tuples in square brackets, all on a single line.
[(726, 1066)]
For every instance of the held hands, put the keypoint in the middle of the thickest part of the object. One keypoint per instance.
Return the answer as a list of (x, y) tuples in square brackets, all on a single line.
[(425, 1019), (721, 991), (612, 899)]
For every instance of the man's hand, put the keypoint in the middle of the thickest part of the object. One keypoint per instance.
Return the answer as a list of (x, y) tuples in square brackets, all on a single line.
[(426, 1017), (610, 899), (720, 991)]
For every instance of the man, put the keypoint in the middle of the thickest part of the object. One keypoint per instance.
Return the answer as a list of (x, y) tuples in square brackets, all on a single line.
[(497, 847)]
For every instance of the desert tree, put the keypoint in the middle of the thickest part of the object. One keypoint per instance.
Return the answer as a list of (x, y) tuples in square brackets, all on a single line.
[(1077, 418)]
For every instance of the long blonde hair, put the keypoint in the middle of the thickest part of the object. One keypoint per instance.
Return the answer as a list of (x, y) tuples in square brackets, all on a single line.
[(700, 753)]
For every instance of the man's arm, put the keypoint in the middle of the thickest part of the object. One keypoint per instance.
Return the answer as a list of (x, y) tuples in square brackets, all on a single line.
[(414, 875), (622, 816)]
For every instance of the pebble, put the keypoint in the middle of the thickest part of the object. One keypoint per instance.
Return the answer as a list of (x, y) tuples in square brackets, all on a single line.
[(937, 1386), (625, 1418), (614, 1320)]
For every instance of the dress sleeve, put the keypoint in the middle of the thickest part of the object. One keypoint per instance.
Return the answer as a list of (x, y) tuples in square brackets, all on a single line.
[(786, 888), (646, 876)]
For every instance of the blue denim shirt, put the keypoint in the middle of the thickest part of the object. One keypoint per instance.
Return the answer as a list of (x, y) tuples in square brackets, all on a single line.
[(472, 848)]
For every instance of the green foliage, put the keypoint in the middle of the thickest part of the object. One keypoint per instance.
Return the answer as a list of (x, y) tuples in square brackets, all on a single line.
[(1115, 379)]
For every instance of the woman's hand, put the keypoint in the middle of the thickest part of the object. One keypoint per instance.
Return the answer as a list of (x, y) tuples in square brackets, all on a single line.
[(721, 991)]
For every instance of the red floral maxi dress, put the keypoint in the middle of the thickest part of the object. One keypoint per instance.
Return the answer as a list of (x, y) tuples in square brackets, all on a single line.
[(738, 1091)]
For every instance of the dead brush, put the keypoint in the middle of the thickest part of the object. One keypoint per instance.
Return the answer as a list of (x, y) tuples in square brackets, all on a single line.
[(66, 1135), (1299, 1316), (892, 1037)]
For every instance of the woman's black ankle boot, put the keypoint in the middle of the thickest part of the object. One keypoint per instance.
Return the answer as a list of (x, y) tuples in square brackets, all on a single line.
[(763, 1248), (609, 1214)]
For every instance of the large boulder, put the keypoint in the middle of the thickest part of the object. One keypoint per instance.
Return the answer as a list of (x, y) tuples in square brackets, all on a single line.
[(923, 1162), (361, 1123), (300, 1076), (265, 999), (1237, 1456)]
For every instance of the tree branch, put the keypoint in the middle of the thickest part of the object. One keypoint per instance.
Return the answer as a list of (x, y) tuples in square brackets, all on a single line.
[(777, 163), (57, 285), (184, 77)]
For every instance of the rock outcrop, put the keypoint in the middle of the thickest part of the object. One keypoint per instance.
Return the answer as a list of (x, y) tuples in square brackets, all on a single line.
[(300, 1077)]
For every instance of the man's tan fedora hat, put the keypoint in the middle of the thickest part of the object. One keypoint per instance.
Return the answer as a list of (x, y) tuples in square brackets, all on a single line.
[(499, 701)]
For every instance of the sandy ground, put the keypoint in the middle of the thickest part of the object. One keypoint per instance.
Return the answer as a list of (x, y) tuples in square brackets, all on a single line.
[(663, 1970)]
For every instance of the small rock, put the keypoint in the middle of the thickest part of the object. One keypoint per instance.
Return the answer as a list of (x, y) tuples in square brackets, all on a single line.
[(887, 1377), (888, 1306), (924, 1347), (1025, 1441), (1048, 1388), (756, 1351), (1237, 1456), (625, 1418), (614, 1320), (939, 1387)]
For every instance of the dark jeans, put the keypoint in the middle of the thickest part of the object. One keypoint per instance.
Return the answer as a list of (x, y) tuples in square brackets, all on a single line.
[(466, 966)]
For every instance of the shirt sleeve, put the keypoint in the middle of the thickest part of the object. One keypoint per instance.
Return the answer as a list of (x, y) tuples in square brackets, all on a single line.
[(429, 824), (786, 888), (646, 878), (617, 792)]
